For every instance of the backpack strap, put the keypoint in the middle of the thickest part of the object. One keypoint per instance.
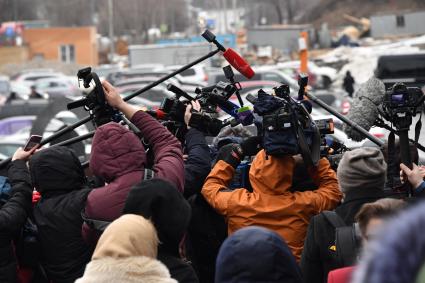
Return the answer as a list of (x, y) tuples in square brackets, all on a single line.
[(98, 225), (149, 174), (346, 239), (334, 219), (347, 244)]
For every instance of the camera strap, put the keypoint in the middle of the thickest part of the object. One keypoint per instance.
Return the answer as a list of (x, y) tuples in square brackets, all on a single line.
[(392, 168), (418, 128), (311, 155)]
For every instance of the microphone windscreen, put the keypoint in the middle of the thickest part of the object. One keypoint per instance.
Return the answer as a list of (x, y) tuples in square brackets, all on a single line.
[(364, 110), (238, 63), (160, 114)]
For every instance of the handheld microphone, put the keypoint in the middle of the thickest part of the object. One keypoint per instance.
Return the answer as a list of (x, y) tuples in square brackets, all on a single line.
[(238, 63), (364, 111)]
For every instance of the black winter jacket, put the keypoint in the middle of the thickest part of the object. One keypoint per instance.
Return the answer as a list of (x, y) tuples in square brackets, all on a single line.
[(318, 257), (58, 176), (198, 164), (12, 217)]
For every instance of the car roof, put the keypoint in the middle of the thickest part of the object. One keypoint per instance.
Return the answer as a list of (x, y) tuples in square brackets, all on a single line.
[(138, 86), (11, 140), (397, 56)]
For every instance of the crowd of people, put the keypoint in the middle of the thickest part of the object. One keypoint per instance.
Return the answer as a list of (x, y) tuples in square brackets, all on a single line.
[(153, 208)]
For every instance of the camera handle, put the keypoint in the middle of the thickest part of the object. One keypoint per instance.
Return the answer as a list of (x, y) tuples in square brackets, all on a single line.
[(380, 123), (230, 75)]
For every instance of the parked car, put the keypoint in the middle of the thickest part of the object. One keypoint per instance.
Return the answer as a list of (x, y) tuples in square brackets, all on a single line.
[(104, 70), (150, 99), (21, 90), (125, 74), (320, 77), (196, 74), (57, 86), (20, 126), (8, 146), (5, 89), (29, 77), (261, 74), (144, 80), (408, 69)]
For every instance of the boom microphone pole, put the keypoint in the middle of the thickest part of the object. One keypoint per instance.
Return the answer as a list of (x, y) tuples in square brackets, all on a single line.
[(352, 124)]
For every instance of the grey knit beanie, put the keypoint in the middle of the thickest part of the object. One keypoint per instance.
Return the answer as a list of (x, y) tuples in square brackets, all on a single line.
[(362, 168)]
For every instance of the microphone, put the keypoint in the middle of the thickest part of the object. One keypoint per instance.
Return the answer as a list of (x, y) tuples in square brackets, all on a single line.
[(238, 63), (364, 111)]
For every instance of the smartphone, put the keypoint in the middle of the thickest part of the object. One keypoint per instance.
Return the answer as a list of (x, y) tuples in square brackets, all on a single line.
[(34, 140)]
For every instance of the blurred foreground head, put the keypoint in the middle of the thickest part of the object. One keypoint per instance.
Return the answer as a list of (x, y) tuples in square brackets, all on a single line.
[(126, 253), (255, 254), (397, 254), (129, 235)]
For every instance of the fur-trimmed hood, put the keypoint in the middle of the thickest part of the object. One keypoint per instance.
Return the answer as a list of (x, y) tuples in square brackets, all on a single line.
[(127, 270)]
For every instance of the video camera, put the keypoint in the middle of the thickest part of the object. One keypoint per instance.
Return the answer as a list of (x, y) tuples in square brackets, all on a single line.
[(211, 98), (400, 103), (287, 127), (94, 102)]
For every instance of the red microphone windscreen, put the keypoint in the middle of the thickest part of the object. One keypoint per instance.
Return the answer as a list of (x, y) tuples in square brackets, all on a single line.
[(238, 63), (160, 114)]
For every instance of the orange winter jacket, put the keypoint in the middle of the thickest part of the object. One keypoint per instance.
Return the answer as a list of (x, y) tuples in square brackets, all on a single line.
[(271, 204)]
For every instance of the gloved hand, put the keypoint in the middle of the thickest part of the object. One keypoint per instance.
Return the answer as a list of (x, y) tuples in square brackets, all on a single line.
[(252, 145), (231, 153)]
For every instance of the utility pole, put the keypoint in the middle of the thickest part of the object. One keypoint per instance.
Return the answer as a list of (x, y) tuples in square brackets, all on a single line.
[(111, 29), (15, 10), (225, 15)]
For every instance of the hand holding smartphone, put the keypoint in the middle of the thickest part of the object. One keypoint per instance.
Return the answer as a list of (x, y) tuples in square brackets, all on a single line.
[(33, 141)]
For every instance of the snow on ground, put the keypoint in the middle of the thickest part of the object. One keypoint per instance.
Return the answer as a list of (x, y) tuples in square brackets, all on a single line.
[(362, 60)]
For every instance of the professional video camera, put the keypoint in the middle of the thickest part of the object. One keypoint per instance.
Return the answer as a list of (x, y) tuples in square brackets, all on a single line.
[(331, 147), (401, 103), (218, 96), (287, 127), (173, 110), (94, 101), (211, 98)]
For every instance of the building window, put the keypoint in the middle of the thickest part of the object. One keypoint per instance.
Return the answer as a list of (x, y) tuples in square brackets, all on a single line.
[(67, 53), (400, 21)]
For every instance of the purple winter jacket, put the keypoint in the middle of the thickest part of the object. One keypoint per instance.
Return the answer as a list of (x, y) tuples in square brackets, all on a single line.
[(118, 156)]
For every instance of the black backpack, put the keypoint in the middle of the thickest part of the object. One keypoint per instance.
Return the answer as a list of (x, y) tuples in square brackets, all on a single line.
[(347, 239)]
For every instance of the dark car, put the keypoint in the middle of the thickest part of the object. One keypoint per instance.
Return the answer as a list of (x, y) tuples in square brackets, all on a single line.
[(408, 69)]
